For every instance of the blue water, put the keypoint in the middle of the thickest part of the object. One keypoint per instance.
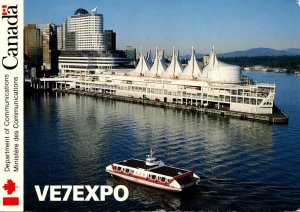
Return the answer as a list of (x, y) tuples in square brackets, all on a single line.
[(244, 165)]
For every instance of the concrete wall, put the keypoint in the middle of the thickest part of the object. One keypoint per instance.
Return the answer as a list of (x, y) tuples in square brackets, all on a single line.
[(250, 108)]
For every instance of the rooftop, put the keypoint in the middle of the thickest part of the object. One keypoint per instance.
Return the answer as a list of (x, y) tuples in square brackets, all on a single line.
[(134, 163), (169, 171), (163, 170), (81, 11)]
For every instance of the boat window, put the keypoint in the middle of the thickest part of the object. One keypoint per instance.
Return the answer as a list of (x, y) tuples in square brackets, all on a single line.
[(163, 179), (153, 177), (127, 170), (119, 168), (131, 171)]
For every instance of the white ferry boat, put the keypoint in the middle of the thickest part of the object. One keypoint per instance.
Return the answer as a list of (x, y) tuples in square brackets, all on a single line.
[(154, 173)]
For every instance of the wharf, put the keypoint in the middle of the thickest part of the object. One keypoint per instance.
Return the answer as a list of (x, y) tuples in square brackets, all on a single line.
[(278, 117)]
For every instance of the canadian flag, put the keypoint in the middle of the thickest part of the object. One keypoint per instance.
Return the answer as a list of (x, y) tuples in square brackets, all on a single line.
[(10, 187), (4, 10)]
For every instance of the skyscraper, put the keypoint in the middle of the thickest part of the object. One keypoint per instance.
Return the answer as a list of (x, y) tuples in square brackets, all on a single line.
[(110, 40), (33, 46), (85, 49), (130, 52), (50, 57), (61, 31), (85, 31)]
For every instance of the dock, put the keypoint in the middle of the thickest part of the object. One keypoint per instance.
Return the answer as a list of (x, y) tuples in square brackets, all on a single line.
[(278, 117)]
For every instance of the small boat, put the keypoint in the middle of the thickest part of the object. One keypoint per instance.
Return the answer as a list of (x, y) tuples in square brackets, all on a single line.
[(154, 173)]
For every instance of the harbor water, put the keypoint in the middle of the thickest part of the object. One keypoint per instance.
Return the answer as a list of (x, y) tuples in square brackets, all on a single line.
[(243, 165)]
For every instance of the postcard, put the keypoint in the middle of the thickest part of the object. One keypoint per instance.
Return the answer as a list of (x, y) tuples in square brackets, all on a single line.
[(149, 105)]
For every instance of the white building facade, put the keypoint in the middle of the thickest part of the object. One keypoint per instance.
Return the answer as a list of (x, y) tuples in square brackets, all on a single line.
[(88, 29), (217, 85)]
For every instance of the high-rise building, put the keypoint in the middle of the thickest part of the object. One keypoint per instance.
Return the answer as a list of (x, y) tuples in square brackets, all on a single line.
[(85, 31), (70, 38), (86, 51), (130, 52), (33, 46), (110, 40), (50, 57), (42, 27), (61, 32)]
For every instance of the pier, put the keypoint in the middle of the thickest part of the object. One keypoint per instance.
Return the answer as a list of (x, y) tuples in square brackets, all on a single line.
[(63, 85), (278, 117)]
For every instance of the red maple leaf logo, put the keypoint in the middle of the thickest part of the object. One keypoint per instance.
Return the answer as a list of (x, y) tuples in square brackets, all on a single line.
[(10, 187)]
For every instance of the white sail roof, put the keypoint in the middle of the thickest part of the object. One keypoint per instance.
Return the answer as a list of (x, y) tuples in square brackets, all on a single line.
[(192, 70), (175, 67), (218, 71), (159, 65), (212, 62), (142, 67)]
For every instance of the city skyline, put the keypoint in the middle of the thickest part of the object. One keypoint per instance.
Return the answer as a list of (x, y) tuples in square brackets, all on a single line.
[(229, 26)]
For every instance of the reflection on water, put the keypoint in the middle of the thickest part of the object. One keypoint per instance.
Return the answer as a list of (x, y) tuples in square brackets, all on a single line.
[(148, 196), (243, 165)]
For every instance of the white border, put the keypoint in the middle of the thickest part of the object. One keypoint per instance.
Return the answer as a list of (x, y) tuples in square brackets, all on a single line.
[(15, 77)]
